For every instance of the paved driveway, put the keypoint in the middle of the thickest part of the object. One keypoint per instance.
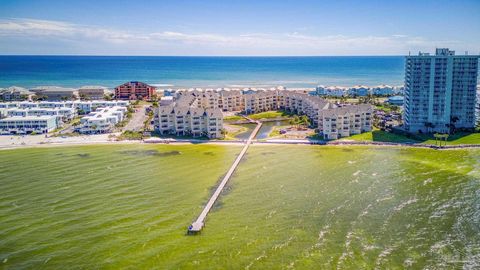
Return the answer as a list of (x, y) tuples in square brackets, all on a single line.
[(138, 117)]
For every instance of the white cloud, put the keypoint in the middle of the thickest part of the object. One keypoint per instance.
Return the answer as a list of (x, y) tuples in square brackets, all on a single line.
[(87, 39)]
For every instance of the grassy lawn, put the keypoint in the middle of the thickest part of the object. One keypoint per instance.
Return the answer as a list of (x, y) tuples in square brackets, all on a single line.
[(270, 115), (383, 136), (229, 136), (380, 136), (459, 138), (276, 131), (233, 118)]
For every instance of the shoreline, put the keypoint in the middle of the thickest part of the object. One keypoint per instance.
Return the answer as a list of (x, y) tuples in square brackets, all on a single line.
[(16, 142)]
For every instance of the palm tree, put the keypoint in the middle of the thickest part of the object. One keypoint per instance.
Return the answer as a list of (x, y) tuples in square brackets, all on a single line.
[(305, 120)]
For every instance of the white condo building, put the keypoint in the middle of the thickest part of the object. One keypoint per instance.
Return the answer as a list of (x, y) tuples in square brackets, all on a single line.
[(102, 120), (27, 124), (187, 116), (440, 91)]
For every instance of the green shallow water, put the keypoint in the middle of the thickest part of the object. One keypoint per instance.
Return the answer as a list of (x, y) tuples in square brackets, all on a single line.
[(298, 207)]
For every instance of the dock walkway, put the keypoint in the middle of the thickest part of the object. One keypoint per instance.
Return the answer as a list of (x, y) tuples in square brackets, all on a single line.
[(200, 222)]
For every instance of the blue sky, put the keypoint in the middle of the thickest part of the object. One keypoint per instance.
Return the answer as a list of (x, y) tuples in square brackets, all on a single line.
[(268, 27)]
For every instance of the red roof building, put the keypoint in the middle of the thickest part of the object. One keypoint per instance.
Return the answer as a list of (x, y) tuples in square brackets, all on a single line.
[(134, 91)]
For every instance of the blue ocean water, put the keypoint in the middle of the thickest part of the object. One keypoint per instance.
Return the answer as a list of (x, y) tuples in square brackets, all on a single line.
[(110, 71)]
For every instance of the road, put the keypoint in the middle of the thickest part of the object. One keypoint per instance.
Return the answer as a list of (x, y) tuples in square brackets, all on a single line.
[(138, 117)]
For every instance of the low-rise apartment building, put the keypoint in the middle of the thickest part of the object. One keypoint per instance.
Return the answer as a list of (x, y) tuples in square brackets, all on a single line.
[(63, 114), (28, 124), (231, 101), (334, 91), (345, 121), (81, 106), (185, 116), (102, 120), (89, 106), (261, 101), (92, 92), (14, 93), (176, 119), (383, 90), (55, 93), (359, 91)]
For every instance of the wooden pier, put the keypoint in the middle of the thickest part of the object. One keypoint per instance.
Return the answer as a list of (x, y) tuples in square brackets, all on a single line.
[(200, 222)]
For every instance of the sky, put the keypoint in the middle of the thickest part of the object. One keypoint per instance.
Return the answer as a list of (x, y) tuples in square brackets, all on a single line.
[(237, 28)]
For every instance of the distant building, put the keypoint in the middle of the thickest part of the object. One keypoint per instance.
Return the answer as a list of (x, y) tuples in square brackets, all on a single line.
[(55, 93), (395, 100), (28, 124), (383, 90), (334, 91), (14, 93), (359, 91), (92, 92), (134, 91), (440, 91)]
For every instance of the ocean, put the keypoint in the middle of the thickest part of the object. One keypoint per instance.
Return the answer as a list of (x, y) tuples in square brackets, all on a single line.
[(178, 72)]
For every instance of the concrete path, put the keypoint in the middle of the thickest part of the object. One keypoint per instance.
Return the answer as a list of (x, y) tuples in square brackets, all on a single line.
[(200, 222)]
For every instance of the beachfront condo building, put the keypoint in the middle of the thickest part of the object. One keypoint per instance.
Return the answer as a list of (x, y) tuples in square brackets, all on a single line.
[(63, 114), (323, 114), (84, 107), (261, 101), (81, 107), (231, 101), (345, 121), (92, 92), (134, 91), (440, 91), (185, 117), (14, 93), (226, 100), (102, 120), (28, 124), (383, 90), (54, 93)]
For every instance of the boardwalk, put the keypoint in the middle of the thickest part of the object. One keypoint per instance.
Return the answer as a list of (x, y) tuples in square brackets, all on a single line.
[(198, 224)]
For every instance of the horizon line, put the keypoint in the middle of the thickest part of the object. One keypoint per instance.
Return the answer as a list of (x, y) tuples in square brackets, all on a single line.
[(145, 55)]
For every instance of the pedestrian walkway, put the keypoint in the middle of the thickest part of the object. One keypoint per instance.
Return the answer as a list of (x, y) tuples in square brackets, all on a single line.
[(197, 226)]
